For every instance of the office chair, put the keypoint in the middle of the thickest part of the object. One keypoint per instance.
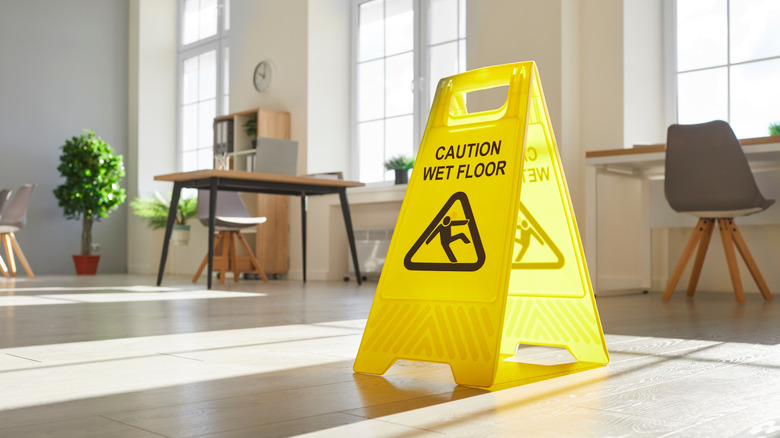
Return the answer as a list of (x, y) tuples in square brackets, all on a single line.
[(707, 176), (231, 217), (4, 195), (13, 220)]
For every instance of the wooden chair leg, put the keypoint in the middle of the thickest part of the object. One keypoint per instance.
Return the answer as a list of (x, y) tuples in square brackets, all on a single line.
[(10, 254), (21, 256), (3, 268), (234, 255), (226, 241), (731, 258), (252, 258), (749, 261), (684, 257), (704, 243), (206, 258)]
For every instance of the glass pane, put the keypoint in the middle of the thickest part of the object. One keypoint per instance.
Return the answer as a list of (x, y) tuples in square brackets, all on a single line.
[(462, 19), (371, 151), (208, 18), (227, 15), (399, 20), (190, 80), (207, 110), (399, 132), (190, 26), (754, 29), (371, 90), (189, 127), (206, 158), (755, 98), (701, 34), (371, 30), (399, 75), (443, 21), (702, 96), (189, 161), (443, 62), (207, 79)]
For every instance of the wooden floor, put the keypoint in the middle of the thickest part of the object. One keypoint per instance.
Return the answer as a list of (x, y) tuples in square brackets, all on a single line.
[(112, 356)]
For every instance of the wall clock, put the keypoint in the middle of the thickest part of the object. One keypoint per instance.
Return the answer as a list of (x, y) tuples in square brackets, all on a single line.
[(264, 74)]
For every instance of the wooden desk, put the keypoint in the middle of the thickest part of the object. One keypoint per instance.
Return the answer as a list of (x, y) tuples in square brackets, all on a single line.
[(240, 181), (646, 163)]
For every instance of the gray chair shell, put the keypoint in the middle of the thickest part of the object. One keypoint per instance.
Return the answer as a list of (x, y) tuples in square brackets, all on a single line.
[(5, 194), (708, 176), (231, 216), (12, 220)]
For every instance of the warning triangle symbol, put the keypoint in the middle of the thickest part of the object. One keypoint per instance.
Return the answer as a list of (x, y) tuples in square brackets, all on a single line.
[(529, 231), (451, 242)]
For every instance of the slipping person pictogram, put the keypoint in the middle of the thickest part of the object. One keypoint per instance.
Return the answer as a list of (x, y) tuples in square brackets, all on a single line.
[(472, 257), (525, 238), (444, 230), (529, 227)]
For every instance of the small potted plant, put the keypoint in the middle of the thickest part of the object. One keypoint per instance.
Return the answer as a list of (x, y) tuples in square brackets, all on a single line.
[(155, 210), (91, 189), (401, 165), (250, 129), (774, 128)]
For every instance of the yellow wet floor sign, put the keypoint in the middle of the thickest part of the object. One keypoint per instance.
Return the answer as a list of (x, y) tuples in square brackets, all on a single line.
[(485, 254)]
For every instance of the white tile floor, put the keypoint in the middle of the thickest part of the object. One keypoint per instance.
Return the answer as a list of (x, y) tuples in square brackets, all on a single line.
[(112, 356)]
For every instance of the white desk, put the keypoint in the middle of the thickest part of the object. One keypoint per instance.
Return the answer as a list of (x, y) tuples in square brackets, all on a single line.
[(646, 163)]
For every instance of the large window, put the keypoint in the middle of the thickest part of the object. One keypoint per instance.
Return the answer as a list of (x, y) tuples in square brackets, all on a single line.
[(728, 63), (203, 77), (402, 49)]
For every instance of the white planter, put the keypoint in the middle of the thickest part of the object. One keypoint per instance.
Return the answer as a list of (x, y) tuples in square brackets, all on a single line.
[(180, 235)]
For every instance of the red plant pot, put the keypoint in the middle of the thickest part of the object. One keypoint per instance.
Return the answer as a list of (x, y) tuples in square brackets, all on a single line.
[(86, 264)]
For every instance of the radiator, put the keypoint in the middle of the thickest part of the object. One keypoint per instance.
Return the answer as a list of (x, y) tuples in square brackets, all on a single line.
[(371, 245)]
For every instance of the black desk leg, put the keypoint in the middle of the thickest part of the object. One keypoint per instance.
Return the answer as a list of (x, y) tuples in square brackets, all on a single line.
[(350, 232), (303, 232), (169, 228), (212, 225)]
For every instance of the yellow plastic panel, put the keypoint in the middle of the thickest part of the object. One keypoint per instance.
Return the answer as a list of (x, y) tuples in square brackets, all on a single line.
[(470, 269)]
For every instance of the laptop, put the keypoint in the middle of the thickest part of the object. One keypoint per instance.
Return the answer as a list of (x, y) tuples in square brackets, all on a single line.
[(274, 155)]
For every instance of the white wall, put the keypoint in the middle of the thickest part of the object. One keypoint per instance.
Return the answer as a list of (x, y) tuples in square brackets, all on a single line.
[(151, 122), (63, 68), (329, 87)]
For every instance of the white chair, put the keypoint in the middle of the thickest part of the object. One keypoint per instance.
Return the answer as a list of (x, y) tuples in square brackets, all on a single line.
[(231, 218), (707, 176), (11, 221)]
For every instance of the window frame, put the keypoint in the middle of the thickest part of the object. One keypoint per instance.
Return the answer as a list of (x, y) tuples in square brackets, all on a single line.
[(220, 43), (422, 84), (671, 76)]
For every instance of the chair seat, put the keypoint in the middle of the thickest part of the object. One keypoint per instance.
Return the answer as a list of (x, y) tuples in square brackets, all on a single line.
[(228, 223), (731, 213), (9, 229)]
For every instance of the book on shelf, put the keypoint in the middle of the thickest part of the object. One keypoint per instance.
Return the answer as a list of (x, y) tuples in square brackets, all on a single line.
[(224, 137)]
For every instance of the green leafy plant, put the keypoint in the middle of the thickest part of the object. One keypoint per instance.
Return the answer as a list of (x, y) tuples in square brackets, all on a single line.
[(250, 127), (91, 189), (774, 128), (155, 210), (399, 162)]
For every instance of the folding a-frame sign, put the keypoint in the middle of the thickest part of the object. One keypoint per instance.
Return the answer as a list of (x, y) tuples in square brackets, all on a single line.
[(486, 253)]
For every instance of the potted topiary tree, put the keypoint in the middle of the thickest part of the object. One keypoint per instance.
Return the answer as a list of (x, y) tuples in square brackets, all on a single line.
[(401, 165), (155, 210), (91, 189)]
